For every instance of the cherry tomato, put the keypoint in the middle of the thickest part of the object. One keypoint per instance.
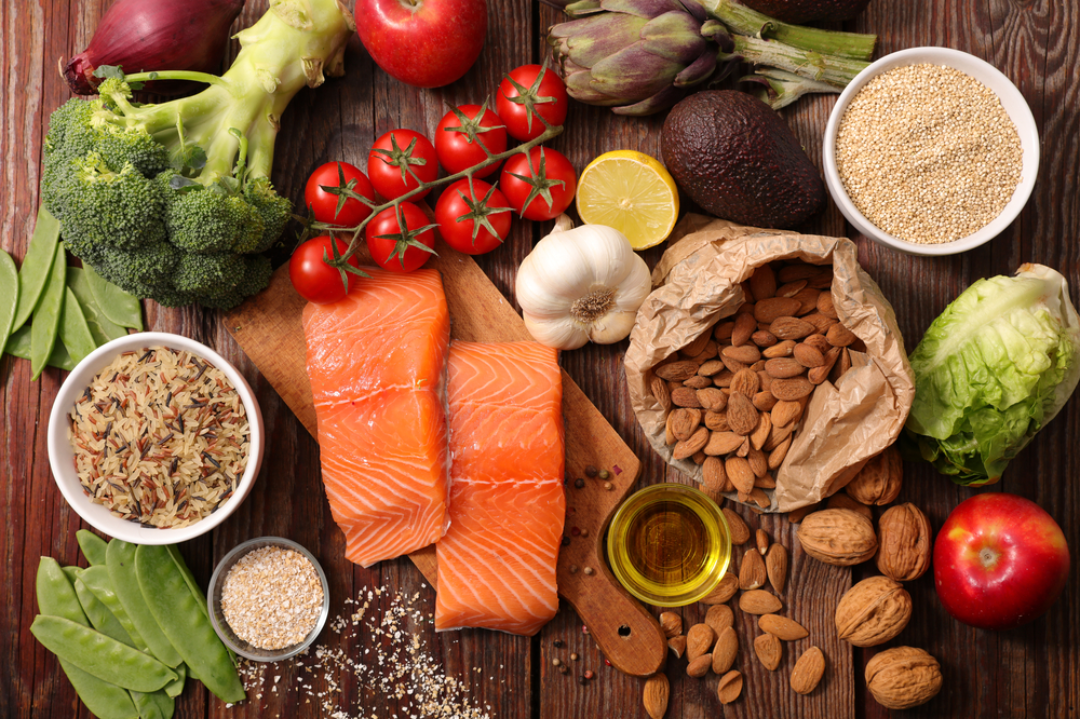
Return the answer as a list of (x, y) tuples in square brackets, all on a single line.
[(549, 181), (457, 140), (391, 153), (396, 248), (456, 201), (324, 205), (315, 280), (523, 94)]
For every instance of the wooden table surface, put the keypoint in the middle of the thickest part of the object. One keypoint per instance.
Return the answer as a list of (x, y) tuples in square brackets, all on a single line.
[(1030, 672)]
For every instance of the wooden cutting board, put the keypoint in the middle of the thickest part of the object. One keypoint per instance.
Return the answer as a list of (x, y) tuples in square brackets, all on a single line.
[(269, 329)]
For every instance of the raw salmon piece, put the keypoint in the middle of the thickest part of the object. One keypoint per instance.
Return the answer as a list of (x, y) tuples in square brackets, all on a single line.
[(376, 361), (507, 504)]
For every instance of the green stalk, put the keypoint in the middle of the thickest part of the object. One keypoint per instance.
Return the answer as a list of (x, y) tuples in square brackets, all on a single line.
[(746, 21), (780, 88), (832, 69)]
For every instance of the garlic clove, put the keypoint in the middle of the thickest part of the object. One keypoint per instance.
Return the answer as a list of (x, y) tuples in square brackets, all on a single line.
[(612, 327), (560, 332)]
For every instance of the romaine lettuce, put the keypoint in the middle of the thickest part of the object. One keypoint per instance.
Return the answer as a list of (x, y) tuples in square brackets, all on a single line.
[(992, 370)]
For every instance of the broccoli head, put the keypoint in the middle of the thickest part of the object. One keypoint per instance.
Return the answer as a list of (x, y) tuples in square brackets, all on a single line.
[(173, 201)]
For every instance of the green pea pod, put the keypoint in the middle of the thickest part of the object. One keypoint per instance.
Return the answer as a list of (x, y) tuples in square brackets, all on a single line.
[(102, 656), (97, 580), (120, 561), (74, 331), (57, 597), (156, 705), (93, 547), (117, 305), (174, 552), (174, 689), (101, 326), (37, 265), (18, 345), (99, 615), (9, 296), (72, 573), (185, 623), (47, 317)]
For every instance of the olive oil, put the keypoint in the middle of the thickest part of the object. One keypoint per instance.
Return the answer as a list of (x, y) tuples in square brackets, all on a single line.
[(669, 545)]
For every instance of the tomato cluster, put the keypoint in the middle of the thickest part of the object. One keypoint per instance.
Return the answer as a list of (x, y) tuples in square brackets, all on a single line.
[(472, 215)]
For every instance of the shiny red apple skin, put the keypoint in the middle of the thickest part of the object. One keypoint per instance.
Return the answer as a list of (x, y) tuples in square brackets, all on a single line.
[(424, 43), (999, 561)]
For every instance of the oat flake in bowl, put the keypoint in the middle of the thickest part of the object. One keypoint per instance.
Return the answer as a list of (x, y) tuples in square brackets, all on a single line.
[(160, 437), (928, 153)]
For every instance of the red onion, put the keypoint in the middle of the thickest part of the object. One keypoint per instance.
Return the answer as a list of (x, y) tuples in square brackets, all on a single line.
[(146, 35)]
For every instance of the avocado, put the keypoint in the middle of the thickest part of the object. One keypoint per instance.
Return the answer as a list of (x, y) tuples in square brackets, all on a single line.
[(798, 12), (737, 159)]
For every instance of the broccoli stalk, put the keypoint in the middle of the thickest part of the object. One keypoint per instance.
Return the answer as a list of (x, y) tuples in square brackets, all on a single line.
[(173, 201)]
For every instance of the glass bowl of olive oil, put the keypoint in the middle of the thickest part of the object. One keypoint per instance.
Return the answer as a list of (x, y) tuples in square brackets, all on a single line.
[(669, 545)]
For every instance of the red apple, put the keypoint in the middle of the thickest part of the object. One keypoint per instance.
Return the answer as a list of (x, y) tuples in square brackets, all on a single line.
[(426, 43), (999, 561)]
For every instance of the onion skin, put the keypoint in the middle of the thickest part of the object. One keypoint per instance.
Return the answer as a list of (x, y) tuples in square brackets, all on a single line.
[(147, 35)]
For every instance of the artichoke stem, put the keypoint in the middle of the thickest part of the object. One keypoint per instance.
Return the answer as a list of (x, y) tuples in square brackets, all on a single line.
[(746, 21), (834, 70)]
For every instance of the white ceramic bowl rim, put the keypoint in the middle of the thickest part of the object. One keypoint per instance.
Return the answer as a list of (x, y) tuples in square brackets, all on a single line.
[(1012, 101), (61, 455)]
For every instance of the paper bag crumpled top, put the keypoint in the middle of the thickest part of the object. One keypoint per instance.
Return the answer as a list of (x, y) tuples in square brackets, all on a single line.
[(697, 283)]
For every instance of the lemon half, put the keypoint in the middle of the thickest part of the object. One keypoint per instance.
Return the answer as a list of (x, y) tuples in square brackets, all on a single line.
[(631, 192)]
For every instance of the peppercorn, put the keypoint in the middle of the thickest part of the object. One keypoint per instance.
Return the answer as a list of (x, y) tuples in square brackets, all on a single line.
[(558, 643), (579, 482), (589, 674), (564, 669), (566, 541), (607, 486), (574, 531), (556, 661), (604, 474), (591, 472), (589, 571), (584, 533), (583, 680), (574, 657), (573, 568)]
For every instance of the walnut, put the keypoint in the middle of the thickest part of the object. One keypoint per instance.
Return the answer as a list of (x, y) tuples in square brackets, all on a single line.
[(838, 536), (903, 677), (905, 542), (879, 481), (872, 612)]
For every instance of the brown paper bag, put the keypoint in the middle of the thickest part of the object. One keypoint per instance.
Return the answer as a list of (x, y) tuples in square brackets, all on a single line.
[(697, 283)]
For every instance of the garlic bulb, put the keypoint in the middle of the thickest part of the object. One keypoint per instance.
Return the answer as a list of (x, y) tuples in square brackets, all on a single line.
[(581, 284)]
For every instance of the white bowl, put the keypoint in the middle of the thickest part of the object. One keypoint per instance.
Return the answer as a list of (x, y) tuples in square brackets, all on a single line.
[(1011, 100), (62, 456)]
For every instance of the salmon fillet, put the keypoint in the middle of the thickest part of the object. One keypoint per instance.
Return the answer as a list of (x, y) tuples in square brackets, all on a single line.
[(507, 504), (377, 364)]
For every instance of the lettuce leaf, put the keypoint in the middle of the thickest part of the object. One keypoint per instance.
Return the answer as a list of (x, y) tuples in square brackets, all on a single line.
[(992, 370)]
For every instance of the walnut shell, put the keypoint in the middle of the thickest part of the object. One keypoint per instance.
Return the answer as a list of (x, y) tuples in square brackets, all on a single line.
[(903, 677), (873, 611), (879, 481), (905, 543), (838, 536)]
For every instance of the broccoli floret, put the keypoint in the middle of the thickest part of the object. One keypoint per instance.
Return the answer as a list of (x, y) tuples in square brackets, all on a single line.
[(172, 201)]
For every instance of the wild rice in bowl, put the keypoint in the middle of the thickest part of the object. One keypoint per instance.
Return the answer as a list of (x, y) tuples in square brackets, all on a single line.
[(160, 438)]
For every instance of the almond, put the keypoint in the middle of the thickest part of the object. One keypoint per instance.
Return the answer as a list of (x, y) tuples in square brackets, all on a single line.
[(763, 283), (819, 374), (745, 382), (758, 497), (657, 692), (741, 414), (758, 601), (660, 392), (710, 368), (781, 627), (842, 365), (769, 650), (737, 529), (671, 623), (838, 336), (780, 349), (684, 422), (785, 413), (807, 355), (765, 379), (677, 645), (791, 289), (747, 354), (769, 310), (717, 421), (719, 617), (730, 687), (725, 590), (752, 573), (822, 280), (713, 477), (764, 401), (797, 271), (739, 472), (685, 397), (669, 433), (818, 342), (723, 443), (698, 382), (789, 389), (766, 481), (725, 651), (759, 465), (808, 671), (820, 322), (733, 365), (826, 306), (761, 433), (698, 458), (778, 435), (779, 453), (807, 298), (710, 351), (696, 345), (776, 564), (745, 325), (689, 447), (784, 367), (723, 378), (677, 371), (699, 667), (699, 641), (711, 398), (840, 500), (761, 540), (763, 339), (790, 328), (723, 330)]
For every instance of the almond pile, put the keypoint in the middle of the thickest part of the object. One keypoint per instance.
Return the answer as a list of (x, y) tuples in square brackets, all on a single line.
[(734, 396)]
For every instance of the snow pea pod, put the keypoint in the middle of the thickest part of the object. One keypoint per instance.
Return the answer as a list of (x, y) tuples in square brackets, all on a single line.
[(57, 597), (101, 326), (97, 580), (37, 265), (18, 345), (155, 705), (99, 615), (174, 689), (93, 547), (74, 331), (120, 307), (185, 623), (100, 655), (120, 561), (47, 317), (9, 296)]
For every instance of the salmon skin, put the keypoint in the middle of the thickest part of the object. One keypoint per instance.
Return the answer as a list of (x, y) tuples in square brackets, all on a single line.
[(507, 502), (377, 364)]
